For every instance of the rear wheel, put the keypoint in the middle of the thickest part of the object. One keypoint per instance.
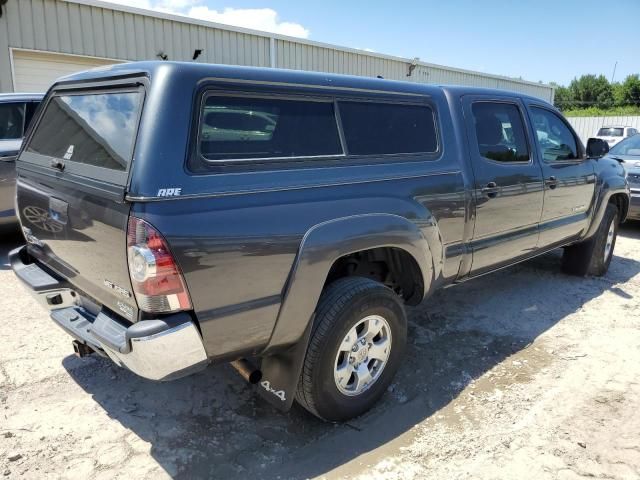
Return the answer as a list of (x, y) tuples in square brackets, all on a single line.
[(355, 349), (592, 257)]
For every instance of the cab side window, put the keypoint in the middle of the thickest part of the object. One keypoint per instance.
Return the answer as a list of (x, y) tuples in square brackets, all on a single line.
[(556, 141), (500, 132)]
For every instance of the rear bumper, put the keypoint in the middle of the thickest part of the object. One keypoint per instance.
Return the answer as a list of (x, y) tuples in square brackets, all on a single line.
[(160, 349), (634, 205)]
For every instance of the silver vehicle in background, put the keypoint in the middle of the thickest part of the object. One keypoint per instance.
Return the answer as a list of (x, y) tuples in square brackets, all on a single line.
[(16, 111), (628, 152)]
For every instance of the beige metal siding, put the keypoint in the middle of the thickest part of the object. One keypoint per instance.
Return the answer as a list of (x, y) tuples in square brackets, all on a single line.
[(300, 56), (95, 29), (66, 27), (36, 71)]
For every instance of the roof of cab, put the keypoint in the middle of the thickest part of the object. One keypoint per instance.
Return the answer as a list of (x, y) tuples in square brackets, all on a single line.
[(275, 75)]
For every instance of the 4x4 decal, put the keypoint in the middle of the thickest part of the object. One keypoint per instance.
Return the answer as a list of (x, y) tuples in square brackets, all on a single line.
[(278, 393)]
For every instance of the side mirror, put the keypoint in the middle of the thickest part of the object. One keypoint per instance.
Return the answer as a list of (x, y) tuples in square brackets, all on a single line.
[(597, 148)]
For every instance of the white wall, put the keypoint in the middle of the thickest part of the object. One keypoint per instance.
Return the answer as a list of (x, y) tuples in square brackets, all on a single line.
[(587, 127)]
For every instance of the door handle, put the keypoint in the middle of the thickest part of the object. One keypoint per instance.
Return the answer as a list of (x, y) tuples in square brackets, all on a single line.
[(552, 182), (491, 190)]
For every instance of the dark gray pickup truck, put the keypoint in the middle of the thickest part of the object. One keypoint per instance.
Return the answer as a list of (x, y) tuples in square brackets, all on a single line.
[(182, 214)]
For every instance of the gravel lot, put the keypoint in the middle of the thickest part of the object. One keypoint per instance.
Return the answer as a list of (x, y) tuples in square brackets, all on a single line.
[(526, 373)]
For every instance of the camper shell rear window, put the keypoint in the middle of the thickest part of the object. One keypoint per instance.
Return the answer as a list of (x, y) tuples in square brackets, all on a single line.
[(92, 128), (91, 133)]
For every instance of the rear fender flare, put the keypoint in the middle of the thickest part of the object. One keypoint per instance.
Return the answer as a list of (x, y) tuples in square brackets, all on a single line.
[(321, 246)]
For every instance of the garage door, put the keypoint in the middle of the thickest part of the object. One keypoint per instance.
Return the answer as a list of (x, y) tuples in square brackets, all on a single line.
[(36, 71)]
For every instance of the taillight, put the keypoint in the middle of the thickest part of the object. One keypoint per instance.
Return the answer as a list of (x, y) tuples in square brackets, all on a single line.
[(156, 279)]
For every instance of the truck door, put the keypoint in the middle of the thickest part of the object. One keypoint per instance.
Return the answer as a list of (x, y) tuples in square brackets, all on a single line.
[(508, 184), (569, 178)]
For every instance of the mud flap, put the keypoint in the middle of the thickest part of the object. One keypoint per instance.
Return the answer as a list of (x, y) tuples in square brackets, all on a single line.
[(281, 372)]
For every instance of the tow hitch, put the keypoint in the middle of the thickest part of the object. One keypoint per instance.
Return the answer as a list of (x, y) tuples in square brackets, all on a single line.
[(81, 350)]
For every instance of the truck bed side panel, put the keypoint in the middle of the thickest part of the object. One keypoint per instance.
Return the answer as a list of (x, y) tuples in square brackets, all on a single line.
[(237, 251)]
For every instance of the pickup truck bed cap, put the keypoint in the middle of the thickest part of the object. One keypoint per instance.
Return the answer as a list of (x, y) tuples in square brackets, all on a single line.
[(274, 75)]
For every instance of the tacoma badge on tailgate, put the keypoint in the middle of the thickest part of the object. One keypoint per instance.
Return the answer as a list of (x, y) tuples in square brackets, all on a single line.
[(117, 288)]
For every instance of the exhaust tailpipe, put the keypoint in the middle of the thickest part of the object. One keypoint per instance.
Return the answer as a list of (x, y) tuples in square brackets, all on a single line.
[(247, 370), (81, 350)]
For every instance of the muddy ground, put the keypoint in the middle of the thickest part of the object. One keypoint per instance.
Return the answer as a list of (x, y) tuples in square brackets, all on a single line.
[(525, 373)]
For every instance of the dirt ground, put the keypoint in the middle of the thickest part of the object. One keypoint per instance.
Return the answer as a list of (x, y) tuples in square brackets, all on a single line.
[(525, 373)]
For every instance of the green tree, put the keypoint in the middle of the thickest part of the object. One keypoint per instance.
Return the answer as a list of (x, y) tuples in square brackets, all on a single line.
[(629, 91), (618, 97), (591, 91), (563, 98)]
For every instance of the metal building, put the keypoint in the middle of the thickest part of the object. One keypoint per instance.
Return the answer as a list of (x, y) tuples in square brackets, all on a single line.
[(41, 40)]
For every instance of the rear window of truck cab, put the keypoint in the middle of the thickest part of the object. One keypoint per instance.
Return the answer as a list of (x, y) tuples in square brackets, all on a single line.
[(266, 129), (89, 129)]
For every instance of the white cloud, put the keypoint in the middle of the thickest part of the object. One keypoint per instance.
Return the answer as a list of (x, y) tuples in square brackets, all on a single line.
[(264, 19)]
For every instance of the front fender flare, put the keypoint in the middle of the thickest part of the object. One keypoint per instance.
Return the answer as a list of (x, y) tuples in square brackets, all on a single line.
[(611, 185), (321, 246)]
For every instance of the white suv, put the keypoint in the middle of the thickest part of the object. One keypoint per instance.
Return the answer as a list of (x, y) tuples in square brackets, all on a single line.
[(613, 135)]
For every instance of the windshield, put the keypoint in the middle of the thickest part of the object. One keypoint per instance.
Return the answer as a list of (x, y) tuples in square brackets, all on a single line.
[(11, 120), (628, 146), (611, 132)]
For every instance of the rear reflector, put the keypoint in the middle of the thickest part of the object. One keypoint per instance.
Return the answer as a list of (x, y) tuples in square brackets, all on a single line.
[(156, 279)]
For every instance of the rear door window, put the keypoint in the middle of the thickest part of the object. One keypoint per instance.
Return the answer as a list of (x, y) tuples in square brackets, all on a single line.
[(242, 128), (372, 128), (11, 120), (92, 129), (500, 132)]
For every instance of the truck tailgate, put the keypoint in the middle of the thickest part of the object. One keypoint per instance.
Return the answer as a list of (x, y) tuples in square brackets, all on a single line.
[(72, 178)]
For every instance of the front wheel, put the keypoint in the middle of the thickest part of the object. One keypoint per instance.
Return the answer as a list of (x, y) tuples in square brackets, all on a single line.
[(593, 256), (356, 347)]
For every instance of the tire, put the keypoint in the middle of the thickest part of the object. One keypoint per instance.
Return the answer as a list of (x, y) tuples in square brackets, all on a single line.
[(345, 304), (593, 256)]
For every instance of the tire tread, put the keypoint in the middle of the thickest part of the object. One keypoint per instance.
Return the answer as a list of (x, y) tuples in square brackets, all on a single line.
[(332, 302), (585, 258)]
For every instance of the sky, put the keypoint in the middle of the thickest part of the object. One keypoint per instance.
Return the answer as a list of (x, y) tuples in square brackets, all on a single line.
[(537, 40)]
